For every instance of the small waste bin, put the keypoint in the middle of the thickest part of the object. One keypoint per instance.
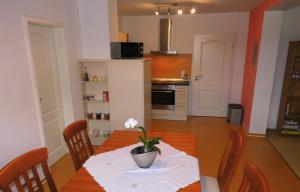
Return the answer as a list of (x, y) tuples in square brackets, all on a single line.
[(235, 113)]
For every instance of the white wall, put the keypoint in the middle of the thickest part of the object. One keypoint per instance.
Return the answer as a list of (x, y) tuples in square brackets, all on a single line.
[(265, 71), (94, 21), (146, 29), (290, 32), (18, 116)]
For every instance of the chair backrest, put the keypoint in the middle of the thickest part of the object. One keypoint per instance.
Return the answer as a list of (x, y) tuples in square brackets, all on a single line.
[(230, 159), (78, 142), (23, 172), (254, 180)]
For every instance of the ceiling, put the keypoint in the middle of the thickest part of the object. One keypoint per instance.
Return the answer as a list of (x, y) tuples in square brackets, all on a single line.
[(147, 7)]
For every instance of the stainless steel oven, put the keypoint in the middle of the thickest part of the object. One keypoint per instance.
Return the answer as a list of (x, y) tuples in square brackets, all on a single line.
[(163, 96)]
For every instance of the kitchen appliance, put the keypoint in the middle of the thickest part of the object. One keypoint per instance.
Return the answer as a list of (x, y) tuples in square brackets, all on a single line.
[(165, 38), (126, 50), (163, 96)]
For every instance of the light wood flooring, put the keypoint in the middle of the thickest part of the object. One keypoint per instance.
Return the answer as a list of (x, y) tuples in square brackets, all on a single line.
[(212, 136), (289, 149)]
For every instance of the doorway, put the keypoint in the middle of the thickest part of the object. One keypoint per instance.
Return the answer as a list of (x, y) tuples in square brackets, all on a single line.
[(211, 74), (46, 48)]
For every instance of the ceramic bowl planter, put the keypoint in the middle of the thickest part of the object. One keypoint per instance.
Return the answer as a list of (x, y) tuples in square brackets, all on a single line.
[(144, 159), (145, 155)]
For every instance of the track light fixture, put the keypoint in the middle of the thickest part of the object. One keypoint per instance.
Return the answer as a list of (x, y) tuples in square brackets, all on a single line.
[(175, 8)]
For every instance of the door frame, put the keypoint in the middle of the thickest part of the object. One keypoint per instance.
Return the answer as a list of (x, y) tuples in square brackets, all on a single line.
[(231, 66), (64, 80)]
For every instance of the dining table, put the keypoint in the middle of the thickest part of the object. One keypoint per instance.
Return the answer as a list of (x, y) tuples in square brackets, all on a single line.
[(82, 181)]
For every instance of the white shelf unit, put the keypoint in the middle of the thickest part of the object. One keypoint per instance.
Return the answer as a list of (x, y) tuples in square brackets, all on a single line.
[(99, 68)]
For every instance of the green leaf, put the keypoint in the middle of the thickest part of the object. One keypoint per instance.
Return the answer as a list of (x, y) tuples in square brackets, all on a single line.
[(152, 141), (141, 139), (156, 140), (144, 131)]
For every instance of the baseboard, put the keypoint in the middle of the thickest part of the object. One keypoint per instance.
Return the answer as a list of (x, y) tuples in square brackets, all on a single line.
[(57, 154), (169, 117), (253, 134), (256, 135)]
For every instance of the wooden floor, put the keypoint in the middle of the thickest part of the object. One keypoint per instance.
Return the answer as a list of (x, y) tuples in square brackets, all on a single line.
[(289, 149), (212, 137)]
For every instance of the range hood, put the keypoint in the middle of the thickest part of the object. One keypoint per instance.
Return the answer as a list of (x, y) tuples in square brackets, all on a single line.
[(165, 47)]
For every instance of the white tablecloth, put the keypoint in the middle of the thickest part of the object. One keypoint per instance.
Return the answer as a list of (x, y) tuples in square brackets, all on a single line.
[(116, 171)]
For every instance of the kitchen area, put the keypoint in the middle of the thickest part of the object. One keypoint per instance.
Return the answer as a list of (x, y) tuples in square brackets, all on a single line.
[(181, 86), (170, 77), (170, 72)]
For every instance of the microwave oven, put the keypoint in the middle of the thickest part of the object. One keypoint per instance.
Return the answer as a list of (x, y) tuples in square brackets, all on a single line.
[(126, 50)]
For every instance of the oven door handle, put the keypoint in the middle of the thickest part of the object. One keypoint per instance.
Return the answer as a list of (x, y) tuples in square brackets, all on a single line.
[(162, 91)]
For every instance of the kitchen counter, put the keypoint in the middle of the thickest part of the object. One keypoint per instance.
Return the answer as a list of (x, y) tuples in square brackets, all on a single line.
[(170, 81)]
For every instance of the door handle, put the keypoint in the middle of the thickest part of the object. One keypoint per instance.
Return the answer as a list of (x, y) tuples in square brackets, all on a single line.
[(198, 77)]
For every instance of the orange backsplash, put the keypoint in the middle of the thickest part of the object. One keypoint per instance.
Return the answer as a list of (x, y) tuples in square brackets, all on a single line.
[(170, 66)]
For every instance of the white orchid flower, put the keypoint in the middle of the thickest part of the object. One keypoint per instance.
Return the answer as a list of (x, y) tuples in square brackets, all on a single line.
[(131, 123)]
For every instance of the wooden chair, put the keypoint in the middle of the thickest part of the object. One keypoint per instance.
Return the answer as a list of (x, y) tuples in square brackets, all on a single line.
[(78, 142), (23, 173), (227, 166), (254, 180)]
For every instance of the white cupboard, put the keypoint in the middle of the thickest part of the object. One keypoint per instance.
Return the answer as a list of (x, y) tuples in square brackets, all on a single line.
[(130, 91)]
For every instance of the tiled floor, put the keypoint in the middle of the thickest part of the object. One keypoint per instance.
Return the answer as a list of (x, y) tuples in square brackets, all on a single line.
[(212, 137)]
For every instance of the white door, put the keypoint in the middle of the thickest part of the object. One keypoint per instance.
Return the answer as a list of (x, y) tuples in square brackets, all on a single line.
[(47, 79), (211, 74)]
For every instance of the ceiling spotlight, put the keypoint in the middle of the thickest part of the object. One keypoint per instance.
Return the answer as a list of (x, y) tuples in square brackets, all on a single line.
[(179, 11), (157, 12), (193, 10)]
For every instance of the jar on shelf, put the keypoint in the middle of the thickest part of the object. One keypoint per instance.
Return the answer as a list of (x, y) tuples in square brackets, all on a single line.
[(98, 116), (90, 115), (106, 116), (85, 75)]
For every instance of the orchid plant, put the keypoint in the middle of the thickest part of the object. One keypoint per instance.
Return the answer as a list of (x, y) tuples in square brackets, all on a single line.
[(149, 143)]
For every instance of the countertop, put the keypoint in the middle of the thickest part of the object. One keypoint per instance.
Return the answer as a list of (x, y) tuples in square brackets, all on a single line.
[(170, 81)]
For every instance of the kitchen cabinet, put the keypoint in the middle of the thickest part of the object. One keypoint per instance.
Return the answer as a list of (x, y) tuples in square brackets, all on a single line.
[(181, 101)]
